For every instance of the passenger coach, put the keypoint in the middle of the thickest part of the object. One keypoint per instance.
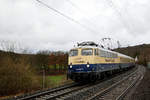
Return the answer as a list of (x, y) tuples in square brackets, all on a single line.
[(88, 61)]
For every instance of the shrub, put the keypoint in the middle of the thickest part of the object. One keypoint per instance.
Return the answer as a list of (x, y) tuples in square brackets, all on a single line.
[(16, 76)]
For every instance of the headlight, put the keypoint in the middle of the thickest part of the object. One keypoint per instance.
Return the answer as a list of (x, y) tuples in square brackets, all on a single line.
[(70, 66), (88, 65)]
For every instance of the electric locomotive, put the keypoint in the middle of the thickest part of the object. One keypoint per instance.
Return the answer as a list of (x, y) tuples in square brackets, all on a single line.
[(89, 61)]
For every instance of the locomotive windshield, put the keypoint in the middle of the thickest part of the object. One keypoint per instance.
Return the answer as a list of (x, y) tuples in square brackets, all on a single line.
[(87, 52), (73, 53)]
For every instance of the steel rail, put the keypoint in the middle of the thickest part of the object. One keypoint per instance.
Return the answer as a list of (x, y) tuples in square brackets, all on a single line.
[(123, 94), (85, 93), (111, 87), (43, 92), (62, 93)]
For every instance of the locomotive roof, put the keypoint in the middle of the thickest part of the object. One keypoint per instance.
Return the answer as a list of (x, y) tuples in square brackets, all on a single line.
[(90, 44)]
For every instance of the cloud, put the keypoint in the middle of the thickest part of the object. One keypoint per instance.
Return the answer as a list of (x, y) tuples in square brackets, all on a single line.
[(38, 28)]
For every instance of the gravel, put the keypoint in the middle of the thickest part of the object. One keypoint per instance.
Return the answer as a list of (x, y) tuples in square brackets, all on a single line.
[(142, 91)]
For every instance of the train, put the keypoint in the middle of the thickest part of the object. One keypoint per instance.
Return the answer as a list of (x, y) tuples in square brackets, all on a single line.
[(89, 61)]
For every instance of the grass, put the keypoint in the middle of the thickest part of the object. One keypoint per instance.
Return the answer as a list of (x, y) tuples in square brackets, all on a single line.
[(51, 82), (56, 80)]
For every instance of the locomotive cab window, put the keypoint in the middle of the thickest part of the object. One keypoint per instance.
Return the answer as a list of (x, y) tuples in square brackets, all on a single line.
[(87, 52), (73, 53)]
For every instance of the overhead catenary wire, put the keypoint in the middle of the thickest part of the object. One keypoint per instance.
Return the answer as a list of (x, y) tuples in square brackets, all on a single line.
[(67, 17), (74, 5), (113, 6), (80, 10), (122, 19)]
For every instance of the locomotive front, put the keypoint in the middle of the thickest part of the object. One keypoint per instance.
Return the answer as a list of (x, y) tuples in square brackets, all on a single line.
[(80, 64)]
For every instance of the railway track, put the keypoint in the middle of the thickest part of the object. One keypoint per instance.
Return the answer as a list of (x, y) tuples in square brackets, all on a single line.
[(118, 90), (92, 89), (80, 91), (38, 94), (55, 95), (92, 92)]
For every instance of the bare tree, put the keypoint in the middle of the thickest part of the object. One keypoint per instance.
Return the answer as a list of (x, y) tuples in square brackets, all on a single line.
[(8, 45), (13, 46)]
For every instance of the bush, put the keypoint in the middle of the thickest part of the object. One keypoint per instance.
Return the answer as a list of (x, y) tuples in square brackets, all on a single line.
[(16, 77)]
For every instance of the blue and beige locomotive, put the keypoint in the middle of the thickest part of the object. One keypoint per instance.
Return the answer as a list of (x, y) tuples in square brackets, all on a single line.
[(89, 61)]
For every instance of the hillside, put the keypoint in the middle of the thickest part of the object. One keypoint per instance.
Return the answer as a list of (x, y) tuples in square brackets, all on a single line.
[(141, 51), (54, 58), (53, 62)]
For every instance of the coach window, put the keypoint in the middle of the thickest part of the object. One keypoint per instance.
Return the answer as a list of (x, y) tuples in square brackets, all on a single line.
[(116, 55), (107, 54), (113, 56), (87, 52), (73, 53)]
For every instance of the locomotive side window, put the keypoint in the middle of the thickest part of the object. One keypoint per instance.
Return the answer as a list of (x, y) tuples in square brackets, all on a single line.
[(99, 52), (102, 53), (73, 53), (96, 52), (87, 52)]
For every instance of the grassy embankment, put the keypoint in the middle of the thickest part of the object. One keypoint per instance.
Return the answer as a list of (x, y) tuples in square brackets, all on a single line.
[(22, 73), (51, 81), (56, 80)]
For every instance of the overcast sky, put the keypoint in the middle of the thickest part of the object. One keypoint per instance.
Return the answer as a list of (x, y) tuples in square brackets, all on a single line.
[(36, 27)]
